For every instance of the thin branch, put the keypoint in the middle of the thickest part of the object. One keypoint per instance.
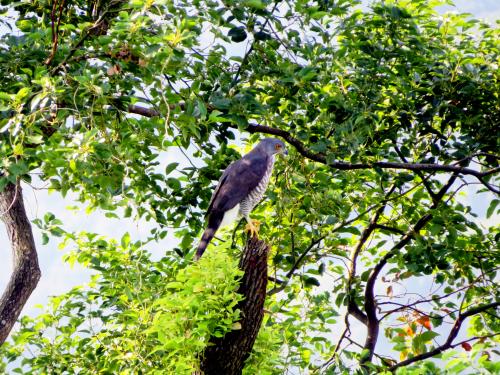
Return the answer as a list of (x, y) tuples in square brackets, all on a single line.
[(247, 54), (321, 158), (347, 330), (303, 255), (475, 338), (352, 307), (384, 360), (452, 335), (55, 29), (240, 67), (429, 300), (296, 266), (409, 307), (88, 32), (389, 229), (143, 111)]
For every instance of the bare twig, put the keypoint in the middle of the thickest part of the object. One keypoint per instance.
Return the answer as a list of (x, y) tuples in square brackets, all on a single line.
[(345, 332), (429, 300)]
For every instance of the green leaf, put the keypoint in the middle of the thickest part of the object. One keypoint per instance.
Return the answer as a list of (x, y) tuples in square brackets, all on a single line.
[(171, 167), (5, 96), (173, 183), (35, 139), (257, 4), (237, 34), (125, 241), (352, 230), (427, 336), (319, 15), (491, 209), (261, 35)]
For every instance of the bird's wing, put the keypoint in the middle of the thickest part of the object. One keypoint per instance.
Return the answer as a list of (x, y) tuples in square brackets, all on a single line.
[(237, 181), (221, 182)]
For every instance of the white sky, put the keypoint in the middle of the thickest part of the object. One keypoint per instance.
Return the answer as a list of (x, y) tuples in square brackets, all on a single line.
[(58, 277)]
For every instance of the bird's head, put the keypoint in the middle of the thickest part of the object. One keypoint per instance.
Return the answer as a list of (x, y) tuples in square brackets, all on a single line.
[(273, 146)]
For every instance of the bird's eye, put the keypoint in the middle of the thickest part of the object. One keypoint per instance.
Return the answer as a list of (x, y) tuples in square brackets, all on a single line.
[(277, 146)]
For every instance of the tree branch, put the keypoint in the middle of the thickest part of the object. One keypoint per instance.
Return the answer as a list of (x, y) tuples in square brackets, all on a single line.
[(143, 111), (452, 335), (373, 323), (26, 272), (344, 334), (419, 173), (352, 307), (341, 165), (389, 229), (295, 266), (321, 158)]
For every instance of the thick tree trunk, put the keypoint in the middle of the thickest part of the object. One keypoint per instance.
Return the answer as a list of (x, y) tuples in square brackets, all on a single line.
[(26, 272), (227, 355)]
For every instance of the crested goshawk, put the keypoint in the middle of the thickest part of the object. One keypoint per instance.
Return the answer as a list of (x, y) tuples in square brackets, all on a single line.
[(240, 188)]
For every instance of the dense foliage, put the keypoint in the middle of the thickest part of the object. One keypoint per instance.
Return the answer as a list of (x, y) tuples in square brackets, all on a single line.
[(135, 315), (390, 113)]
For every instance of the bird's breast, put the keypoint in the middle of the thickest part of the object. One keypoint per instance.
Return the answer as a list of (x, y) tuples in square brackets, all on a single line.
[(255, 195)]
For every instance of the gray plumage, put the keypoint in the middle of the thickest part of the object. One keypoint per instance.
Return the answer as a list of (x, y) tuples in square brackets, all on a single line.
[(240, 188)]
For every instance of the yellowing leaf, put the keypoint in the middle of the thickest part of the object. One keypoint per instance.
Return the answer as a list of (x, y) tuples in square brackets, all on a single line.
[(389, 291), (18, 149), (425, 321), (409, 331)]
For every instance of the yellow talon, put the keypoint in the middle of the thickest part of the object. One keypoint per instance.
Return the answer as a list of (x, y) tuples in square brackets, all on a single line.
[(253, 228)]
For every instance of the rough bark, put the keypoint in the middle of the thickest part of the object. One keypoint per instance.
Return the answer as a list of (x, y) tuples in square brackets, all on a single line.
[(26, 272), (227, 355)]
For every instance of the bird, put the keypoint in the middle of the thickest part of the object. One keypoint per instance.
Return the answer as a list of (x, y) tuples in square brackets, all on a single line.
[(241, 186)]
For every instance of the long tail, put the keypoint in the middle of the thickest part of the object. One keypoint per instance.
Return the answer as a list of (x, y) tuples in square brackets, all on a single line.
[(213, 224)]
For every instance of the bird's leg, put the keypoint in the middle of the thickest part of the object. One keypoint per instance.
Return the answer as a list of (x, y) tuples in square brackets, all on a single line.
[(252, 227)]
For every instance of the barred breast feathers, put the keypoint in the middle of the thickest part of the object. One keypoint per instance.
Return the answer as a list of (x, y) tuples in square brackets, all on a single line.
[(254, 197)]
